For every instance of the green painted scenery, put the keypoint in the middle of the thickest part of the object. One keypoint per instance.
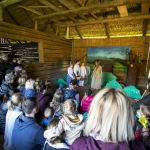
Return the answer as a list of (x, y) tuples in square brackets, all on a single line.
[(119, 67)]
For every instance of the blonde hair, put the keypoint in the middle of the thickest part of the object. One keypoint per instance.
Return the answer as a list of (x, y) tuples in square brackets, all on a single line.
[(16, 99), (71, 87), (30, 84), (111, 116), (69, 107), (21, 82)]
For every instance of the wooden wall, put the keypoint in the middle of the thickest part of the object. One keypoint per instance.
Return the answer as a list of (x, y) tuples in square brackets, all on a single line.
[(54, 51), (138, 44)]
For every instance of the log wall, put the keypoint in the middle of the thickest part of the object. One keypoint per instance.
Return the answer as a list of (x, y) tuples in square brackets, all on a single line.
[(138, 44), (54, 51)]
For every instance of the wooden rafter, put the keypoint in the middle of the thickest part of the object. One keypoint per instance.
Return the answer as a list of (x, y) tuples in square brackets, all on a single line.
[(67, 33), (36, 25), (90, 8), (77, 29), (1, 13), (12, 17), (6, 3), (123, 10), (137, 17)]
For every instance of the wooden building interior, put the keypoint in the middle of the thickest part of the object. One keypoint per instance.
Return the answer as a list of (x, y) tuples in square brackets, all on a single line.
[(63, 29)]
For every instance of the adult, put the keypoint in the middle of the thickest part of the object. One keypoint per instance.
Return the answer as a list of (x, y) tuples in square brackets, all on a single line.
[(70, 75), (27, 134), (29, 89), (14, 110), (88, 70), (77, 68), (42, 99), (96, 76), (145, 99), (3, 108), (109, 124), (7, 85)]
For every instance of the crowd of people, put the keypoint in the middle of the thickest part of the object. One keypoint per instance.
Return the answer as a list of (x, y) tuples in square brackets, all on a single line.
[(34, 117)]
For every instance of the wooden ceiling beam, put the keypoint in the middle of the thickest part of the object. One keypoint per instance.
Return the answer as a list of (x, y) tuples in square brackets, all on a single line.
[(1, 13), (12, 17), (77, 29), (70, 6), (145, 8), (137, 17), (67, 33), (123, 10), (6, 3), (99, 6)]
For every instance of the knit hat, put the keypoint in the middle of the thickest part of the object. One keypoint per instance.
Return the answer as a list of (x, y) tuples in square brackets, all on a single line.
[(17, 68), (88, 92), (9, 71), (73, 82), (62, 85)]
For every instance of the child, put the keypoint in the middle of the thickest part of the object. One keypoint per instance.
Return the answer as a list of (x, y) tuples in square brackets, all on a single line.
[(61, 87), (49, 89), (88, 70), (48, 114), (21, 82), (83, 74), (86, 101), (38, 81), (54, 143), (71, 123), (142, 125), (57, 103)]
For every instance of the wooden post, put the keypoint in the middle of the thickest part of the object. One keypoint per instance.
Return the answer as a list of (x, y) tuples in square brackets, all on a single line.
[(35, 24), (67, 33), (41, 52), (1, 13)]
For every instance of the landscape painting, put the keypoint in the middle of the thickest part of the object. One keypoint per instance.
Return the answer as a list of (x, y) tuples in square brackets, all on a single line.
[(109, 53)]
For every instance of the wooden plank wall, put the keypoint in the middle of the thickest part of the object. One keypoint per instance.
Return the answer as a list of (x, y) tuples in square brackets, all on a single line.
[(138, 44), (54, 51)]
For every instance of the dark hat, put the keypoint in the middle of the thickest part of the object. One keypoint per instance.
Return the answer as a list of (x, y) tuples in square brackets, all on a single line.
[(73, 82), (9, 71), (62, 85), (88, 92)]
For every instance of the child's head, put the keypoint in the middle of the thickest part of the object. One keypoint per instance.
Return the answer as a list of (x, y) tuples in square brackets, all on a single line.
[(82, 63), (43, 89), (53, 123), (49, 112), (37, 88), (38, 81), (78, 62), (145, 110), (72, 84), (24, 75), (48, 83), (19, 61), (69, 107), (22, 81), (87, 93)]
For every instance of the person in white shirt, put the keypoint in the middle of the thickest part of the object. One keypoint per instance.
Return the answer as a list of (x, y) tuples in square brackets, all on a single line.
[(77, 68), (88, 70), (70, 75), (83, 74)]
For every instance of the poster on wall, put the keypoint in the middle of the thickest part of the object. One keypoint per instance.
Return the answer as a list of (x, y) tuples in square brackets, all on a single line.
[(109, 53)]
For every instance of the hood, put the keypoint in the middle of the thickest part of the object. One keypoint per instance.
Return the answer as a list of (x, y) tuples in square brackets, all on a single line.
[(29, 93), (89, 98), (74, 124), (23, 122)]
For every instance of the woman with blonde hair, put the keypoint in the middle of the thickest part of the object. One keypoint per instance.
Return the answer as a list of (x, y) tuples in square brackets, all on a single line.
[(29, 89), (14, 110), (96, 76), (109, 124)]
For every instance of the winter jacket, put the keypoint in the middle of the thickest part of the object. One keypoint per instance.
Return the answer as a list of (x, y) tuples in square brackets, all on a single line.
[(29, 93), (27, 134), (10, 120), (143, 100), (44, 102), (22, 88), (89, 143), (5, 88), (85, 104), (69, 94), (72, 130)]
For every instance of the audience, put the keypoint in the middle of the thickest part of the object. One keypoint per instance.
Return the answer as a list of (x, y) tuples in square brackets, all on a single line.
[(27, 134), (86, 101), (57, 103), (48, 115), (29, 89), (14, 110), (21, 83), (54, 143), (7, 85), (42, 99), (3, 108), (109, 124), (71, 123)]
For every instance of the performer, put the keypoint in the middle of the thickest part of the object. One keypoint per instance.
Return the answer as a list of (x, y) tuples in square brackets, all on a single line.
[(77, 68), (83, 74), (96, 76), (70, 75), (88, 70)]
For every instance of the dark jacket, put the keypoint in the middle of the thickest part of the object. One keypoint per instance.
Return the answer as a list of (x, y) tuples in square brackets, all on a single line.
[(89, 143), (69, 94), (22, 88), (5, 88), (144, 100), (44, 102), (27, 134), (29, 93)]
